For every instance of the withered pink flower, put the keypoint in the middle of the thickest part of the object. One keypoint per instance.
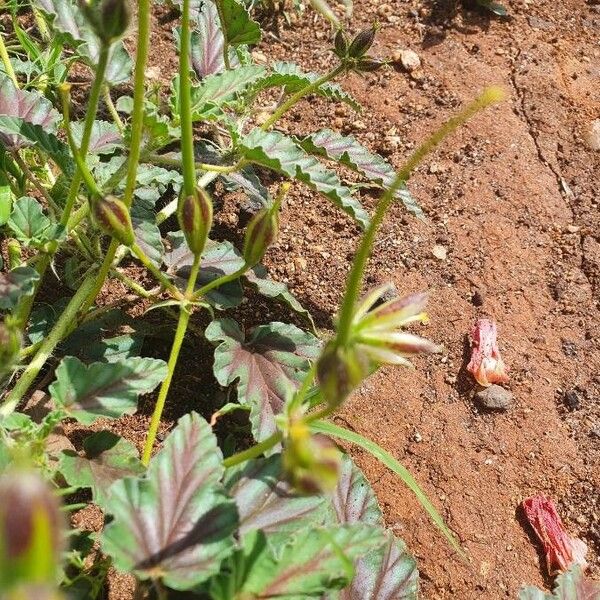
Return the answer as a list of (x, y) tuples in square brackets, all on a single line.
[(562, 551), (486, 364)]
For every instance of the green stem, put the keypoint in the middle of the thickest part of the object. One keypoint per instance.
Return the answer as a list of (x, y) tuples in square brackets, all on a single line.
[(50, 342), (184, 319), (185, 99), (295, 98), (355, 279), (112, 110), (158, 274), (90, 116), (254, 452), (137, 118), (176, 163), (137, 130), (6, 62), (215, 283), (170, 209)]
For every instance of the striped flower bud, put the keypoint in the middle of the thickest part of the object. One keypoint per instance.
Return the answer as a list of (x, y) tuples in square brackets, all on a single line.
[(362, 42), (195, 214), (369, 65), (340, 43), (261, 232), (114, 18), (339, 371), (112, 216), (311, 462), (31, 530)]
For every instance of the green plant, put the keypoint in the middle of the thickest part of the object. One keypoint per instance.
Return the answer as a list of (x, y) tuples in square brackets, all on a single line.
[(277, 518)]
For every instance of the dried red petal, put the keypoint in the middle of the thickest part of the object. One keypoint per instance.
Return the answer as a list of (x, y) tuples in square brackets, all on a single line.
[(486, 364), (562, 551)]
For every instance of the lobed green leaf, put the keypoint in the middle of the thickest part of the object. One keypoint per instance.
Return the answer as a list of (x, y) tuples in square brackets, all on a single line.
[(274, 150)]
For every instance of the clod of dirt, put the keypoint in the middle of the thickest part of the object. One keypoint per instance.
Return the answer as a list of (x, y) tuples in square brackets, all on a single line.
[(478, 298), (572, 399), (494, 397), (409, 60), (593, 135)]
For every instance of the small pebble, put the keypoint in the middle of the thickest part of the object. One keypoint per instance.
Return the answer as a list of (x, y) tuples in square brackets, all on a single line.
[(495, 397), (593, 135), (440, 252), (408, 59)]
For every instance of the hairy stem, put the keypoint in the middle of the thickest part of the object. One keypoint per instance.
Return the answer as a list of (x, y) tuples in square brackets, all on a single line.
[(215, 283), (295, 98), (185, 99), (254, 451), (112, 110), (6, 62), (355, 279), (182, 325), (137, 130), (50, 342)]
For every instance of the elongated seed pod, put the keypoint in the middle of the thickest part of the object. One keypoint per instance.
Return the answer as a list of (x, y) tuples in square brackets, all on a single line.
[(260, 234), (195, 215), (112, 216), (341, 44), (362, 42)]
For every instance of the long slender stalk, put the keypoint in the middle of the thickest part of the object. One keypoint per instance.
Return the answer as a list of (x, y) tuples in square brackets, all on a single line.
[(295, 98), (220, 281), (355, 279), (137, 130), (112, 110), (50, 342), (253, 452), (6, 62), (175, 163), (182, 325)]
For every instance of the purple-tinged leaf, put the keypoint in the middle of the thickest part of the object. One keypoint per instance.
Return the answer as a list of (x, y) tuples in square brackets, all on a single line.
[(30, 107), (206, 51), (274, 150), (268, 503), (176, 524), (218, 259), (15, 284), (351, 153), (104, 389), (105, 137), (268, 365), (572, 585), (390, 572), (353, 499), (107, 458), (313, 562)]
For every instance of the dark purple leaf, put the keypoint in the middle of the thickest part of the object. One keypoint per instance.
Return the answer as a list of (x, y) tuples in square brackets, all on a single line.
[(267, 502), (206, 52), (105, 137), (30, 107), (268, 366), (176, 524)]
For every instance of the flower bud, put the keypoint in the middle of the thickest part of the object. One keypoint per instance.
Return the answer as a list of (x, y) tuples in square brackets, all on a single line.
[(341, 44), (195, 214), (261, 233), (10, 346), (369, 65), (31, 530), (112, 216), (362, 42), (339, 371), (114, 18), (311, 462)]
